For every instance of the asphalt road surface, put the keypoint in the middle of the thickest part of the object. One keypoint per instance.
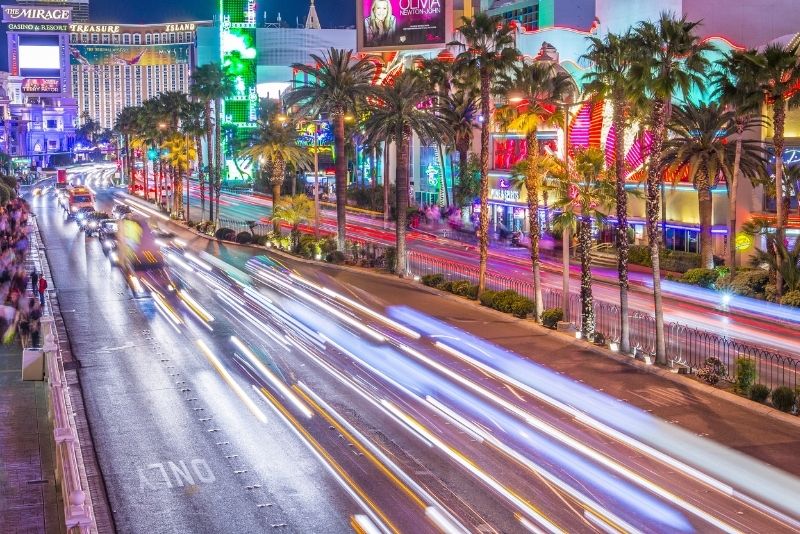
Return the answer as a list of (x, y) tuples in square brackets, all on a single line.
[(294, 402)]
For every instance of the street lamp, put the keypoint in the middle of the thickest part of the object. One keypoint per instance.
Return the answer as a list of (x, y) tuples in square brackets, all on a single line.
[(565, 231)]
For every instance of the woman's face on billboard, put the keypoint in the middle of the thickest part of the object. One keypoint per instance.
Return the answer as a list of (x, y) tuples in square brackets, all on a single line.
[(381, 9)]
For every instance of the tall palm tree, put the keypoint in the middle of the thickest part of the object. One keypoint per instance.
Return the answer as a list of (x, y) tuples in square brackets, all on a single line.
[(400, 110), (336, 83), (699, 147), (488, 50), (671, 60), (275, 144), (735, 85), (778, 74), (461, 111), (612, 58), (530, 90), (193, 126), (179, 151), (125, 125), (582, 202), (210, 84)]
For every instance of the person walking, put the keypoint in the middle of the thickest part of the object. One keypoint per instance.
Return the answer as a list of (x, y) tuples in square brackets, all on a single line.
[(34, 281), (42, 289)]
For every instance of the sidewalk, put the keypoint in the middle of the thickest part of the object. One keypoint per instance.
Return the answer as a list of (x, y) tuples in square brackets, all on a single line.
[(29, 501)]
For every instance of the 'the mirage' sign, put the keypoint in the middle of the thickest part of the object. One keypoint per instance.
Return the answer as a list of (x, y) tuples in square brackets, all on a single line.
[(36, 14)]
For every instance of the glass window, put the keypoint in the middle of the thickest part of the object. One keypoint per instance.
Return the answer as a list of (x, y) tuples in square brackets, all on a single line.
[(137, 39), (692, 241)]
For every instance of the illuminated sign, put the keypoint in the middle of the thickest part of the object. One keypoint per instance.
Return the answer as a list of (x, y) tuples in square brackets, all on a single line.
[(30, 27), (94, 28), (507, 195), (37, 14), (41, 85), (129, 55), (184, 27), (400, 24)]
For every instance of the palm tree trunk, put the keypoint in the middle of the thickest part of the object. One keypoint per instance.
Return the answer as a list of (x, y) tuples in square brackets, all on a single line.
[(587, 300), (401, 202), (341, 181), (705, 207), (653, 214), (623, 246), (483, 231), (531, 184), (385, 184), (779, 121), (209, 166), (732, 192), (218, 155), (278, 173)]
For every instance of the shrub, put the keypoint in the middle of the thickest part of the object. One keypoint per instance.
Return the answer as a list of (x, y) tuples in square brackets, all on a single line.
[(432, 280), (551, 317), (465, 288), (700, 277), (679, 262), (446, 285), (745, 375), (309, 247), (792, 298), (225, 233), (487, 298), (190, 224), (390, 259), (244, 238), (750, 283), (759, 392), (521, 307), (336, 257), (783, 398), (711, 371), (261, 240), (504, 300), (640, 255)]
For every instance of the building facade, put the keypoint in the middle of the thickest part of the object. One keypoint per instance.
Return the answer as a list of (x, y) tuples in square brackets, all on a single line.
[(39, 113), (113, 66)]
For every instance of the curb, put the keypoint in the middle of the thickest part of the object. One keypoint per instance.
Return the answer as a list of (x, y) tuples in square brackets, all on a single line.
[(616, 356)]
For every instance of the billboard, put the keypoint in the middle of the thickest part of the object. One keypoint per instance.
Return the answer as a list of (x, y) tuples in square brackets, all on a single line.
[(403, 24), (39, 56), (128, 55), (41, 85)]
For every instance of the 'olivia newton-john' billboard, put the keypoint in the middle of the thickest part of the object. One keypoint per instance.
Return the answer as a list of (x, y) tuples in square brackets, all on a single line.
[(403, 24)]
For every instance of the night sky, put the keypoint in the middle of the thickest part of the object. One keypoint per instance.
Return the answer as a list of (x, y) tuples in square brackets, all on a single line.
[(332, 13)]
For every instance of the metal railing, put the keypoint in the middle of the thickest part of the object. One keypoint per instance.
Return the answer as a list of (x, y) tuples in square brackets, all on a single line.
[(686, 346), (258, 229)]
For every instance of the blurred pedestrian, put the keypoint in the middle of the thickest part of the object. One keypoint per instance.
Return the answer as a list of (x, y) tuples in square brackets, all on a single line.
[(42, 289), (34, 281)]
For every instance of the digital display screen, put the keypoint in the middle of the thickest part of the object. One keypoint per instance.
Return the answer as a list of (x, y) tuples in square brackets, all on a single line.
[(398, 24), (41, 85), (39, 56)]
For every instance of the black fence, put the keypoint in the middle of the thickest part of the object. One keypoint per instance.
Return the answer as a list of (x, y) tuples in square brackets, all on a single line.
[(256, 228), (685, 345)]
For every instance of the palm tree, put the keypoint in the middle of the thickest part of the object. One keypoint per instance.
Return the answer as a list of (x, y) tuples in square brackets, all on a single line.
[(193, 126), (699, 147), (582, 202), (612, 58), (778, 74), (335, 85), (671, 60), (125, 125), (488, 50), (210, 84), (735, 86), (275, 144), (399, 111), (531, 174), (293, 211), (461, 111), (530, 89), (179, 151)]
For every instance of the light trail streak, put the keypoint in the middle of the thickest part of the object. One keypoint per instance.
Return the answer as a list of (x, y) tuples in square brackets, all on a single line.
[(231, 382), (377, 515), (528, 509), (195, 306), (276, 382)]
